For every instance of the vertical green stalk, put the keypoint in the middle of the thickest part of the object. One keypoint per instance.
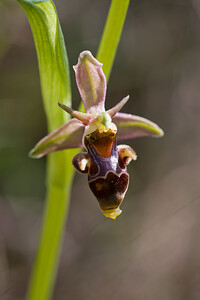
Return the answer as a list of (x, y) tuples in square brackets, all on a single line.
[(111, 34), (55, 84)]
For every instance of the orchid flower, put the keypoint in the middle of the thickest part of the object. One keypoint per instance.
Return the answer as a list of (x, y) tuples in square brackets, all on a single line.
[(97, 130)]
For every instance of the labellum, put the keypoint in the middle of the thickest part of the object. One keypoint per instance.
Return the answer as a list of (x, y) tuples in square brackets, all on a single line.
[(105, 164)]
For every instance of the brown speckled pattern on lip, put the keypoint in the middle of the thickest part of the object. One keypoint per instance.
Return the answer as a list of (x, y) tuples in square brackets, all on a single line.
[(110, 191)]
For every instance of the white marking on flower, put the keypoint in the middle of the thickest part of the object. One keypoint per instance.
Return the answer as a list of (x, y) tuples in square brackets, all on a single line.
[(102, 122)]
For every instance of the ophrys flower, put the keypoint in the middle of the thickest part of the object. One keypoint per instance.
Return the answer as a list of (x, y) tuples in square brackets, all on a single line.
[(97, 131)]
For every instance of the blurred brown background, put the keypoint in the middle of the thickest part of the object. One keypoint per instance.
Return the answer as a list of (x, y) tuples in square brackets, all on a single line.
[(152, 251)]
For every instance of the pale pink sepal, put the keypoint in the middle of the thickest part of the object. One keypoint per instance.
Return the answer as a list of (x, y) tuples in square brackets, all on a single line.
[(67, 136), (91, 82), (131, 126)]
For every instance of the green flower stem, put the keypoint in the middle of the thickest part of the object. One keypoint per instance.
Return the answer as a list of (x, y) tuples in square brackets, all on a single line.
[(57, 202), (111, 34), (55, 84)]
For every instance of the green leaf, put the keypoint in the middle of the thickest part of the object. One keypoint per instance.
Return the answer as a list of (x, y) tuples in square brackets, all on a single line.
[(52, 58), (55, 84)]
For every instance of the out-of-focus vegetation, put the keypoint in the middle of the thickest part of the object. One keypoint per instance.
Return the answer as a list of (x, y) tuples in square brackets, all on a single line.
[(152, 250)]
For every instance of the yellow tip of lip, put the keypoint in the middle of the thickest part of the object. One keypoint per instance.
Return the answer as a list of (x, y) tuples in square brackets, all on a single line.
[(112, 213)]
